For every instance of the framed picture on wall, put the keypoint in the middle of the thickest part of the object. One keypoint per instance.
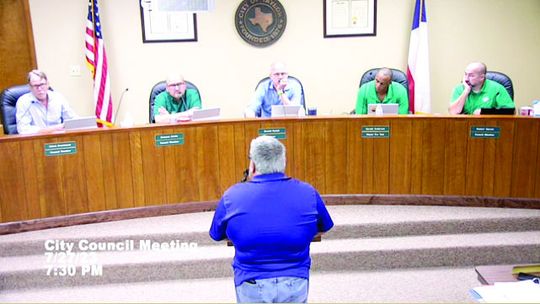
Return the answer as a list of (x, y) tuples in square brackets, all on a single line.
[(349, 18), (162, 25)]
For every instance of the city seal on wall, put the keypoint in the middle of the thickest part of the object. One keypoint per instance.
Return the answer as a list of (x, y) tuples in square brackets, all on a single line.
[(260, 22)]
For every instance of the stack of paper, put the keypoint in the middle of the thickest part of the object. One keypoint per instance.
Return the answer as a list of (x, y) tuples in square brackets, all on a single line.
[(509, 292)]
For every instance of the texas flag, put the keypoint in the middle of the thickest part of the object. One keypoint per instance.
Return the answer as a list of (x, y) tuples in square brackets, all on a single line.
[(418, 63)]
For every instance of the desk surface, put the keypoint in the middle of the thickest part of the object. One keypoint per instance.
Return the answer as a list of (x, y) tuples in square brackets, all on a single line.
[(125, 167), (487, 275)]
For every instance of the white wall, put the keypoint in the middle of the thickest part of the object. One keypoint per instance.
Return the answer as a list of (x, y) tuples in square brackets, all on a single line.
[(503, 33)]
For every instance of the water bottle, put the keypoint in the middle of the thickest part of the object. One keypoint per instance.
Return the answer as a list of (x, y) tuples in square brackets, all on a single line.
[(536, 108)]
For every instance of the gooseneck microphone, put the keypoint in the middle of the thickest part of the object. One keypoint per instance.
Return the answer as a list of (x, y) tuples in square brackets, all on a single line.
[(119, 105)]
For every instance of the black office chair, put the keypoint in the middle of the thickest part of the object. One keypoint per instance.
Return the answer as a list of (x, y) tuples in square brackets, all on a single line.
[(502, 79), (161, 87), (8, 107), (397, 76), (291, 79)]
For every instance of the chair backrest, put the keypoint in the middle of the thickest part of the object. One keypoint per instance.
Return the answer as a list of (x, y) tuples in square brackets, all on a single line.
[(502, 79), (161, 87), (8, 107), (265, 80), (397, 76)]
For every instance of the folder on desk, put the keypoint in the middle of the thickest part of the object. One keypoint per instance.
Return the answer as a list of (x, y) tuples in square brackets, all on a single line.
[(533, 269)]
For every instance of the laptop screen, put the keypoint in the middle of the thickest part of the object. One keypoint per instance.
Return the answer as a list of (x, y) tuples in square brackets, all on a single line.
[(206, 114), (88, 122), (283, 110), (387, 108), (501, 111)]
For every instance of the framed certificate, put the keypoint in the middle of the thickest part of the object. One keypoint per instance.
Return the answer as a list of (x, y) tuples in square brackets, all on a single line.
[(162, 25), (348, 18)]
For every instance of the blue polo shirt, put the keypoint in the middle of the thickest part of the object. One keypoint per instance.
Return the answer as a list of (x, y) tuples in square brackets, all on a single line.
[(271, 221)]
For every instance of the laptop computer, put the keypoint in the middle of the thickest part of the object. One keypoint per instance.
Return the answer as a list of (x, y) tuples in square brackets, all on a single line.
[(206, 114), (387, 108), (88, 122), (501, 111), (285, 110)]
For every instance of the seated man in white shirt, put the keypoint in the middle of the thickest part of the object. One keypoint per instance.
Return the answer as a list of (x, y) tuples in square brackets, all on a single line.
[(41, 110), (278, 90)]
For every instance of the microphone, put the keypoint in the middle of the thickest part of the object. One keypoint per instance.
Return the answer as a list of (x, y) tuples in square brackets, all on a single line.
[(119, 104)]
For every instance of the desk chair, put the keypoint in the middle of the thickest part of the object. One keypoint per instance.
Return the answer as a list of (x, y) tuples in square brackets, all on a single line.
[(8, 107), (161, 87), (266, 80), (502, 79)]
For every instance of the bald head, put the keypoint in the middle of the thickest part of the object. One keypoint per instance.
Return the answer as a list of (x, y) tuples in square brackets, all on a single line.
[(383, 79), (475, 75)]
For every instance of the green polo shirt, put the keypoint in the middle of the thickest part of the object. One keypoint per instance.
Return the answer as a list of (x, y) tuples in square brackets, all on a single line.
[(492, 95), (165, 100), (367, 94)]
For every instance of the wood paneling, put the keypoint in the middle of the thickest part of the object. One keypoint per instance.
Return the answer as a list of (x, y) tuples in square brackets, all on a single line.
[(123, 168), (17, 52)]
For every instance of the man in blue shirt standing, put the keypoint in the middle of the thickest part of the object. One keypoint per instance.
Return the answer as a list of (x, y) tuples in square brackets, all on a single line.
[(278, 90), (271, 220)]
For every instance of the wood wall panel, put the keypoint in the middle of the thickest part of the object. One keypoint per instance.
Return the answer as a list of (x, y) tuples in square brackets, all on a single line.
[(400, 157), (53, 181), (13, 201), (315, 134), (96, 189), (354, 157), (503, 160), (336, 158), (123, 168), (455, 164), (108, 172), (137, 168), (207, 163), (186, 167), (433, 156), (417, 155), (524, 165), (153, 161), (381, 160), (28, 158)]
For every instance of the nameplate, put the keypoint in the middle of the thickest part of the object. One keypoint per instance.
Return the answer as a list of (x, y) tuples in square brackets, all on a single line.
[(485, 132), (165, 140), (375, 131), (278, 133), (61, 148)]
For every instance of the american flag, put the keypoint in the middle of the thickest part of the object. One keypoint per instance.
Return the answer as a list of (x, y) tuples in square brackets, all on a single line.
[(97, 63)]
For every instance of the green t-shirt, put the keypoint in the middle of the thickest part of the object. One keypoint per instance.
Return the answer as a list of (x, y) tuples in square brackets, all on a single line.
[(367, 94), (189, 100), (492, 95)]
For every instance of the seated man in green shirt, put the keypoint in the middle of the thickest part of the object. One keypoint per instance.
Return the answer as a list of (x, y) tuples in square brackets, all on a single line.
[(382, 90), (476, 92), (176, 102)]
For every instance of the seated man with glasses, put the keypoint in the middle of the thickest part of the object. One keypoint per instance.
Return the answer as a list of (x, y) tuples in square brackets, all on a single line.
[(277, 90), (41, 110), (176, 102)]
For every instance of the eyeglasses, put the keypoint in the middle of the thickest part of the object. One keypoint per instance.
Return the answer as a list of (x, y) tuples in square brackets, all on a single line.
[(172, 85), (39, 85)]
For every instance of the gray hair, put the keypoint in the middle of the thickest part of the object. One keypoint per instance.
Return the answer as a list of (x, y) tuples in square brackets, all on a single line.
[(268, 155), (37, 73)]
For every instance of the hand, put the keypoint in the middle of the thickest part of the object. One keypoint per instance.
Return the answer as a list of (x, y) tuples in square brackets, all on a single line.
[(466, 85), (162, 111), (282, 84)]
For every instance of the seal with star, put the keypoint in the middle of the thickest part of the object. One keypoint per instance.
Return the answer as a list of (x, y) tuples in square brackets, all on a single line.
[(260, 22)]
